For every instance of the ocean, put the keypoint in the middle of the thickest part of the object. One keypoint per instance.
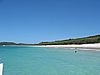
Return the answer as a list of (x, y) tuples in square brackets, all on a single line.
[(23, 60)]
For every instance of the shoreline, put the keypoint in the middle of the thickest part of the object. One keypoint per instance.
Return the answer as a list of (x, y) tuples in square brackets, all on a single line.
[(95, 46)]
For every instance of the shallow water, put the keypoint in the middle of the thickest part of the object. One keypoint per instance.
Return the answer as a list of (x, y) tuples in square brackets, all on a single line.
[(49, 61)]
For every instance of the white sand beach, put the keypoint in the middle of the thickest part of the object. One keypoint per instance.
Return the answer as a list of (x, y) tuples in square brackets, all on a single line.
[(83, 46), (1, 69)]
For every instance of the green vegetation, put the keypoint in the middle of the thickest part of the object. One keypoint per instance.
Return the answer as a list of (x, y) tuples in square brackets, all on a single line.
[(85, 40)]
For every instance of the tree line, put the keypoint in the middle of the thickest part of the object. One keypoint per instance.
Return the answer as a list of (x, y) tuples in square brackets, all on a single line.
[(84, 40)]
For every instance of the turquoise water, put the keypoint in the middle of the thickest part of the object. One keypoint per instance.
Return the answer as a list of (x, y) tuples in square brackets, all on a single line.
[(49, 61)]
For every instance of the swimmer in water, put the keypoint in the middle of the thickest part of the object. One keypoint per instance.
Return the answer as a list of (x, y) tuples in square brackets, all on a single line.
[(75, 51)]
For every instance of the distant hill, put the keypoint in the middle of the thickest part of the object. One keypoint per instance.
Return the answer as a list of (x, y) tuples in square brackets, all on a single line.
[(7, 43), (13, 43), (84, 40)]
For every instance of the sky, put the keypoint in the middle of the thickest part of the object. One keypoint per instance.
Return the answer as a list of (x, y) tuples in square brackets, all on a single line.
[(34, 21)]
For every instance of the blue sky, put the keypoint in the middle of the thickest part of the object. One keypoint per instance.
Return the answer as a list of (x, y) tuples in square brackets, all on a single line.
[(33, 21)]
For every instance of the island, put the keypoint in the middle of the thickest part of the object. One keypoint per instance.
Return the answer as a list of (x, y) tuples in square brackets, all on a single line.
[(90, 42)]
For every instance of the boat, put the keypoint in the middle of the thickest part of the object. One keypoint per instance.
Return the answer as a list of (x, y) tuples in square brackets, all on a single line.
[(4, 45), (1, 68)]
